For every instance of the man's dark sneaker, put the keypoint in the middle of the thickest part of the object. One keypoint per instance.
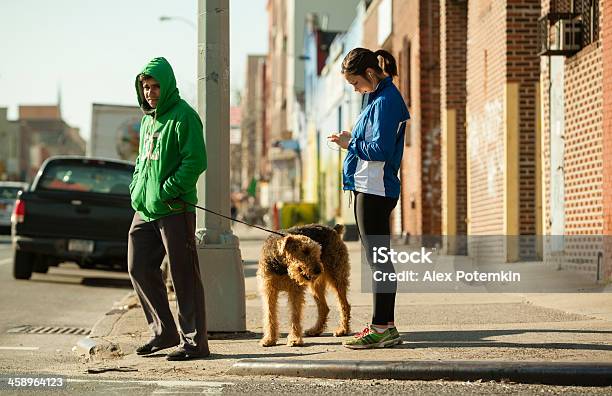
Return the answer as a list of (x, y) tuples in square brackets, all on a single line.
[(183, 354), (155, 346)]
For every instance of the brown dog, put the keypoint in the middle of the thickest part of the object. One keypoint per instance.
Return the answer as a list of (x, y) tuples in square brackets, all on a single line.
[(313, 256)]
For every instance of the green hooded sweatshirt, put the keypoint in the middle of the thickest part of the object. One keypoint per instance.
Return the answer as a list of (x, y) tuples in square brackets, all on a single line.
[(172, 153)]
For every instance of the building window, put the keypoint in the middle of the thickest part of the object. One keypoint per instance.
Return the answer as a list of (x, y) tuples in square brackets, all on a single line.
[(589, 13), (385, 21)]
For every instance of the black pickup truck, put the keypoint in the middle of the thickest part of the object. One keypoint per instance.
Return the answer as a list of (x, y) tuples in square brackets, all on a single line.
[(76, 209)]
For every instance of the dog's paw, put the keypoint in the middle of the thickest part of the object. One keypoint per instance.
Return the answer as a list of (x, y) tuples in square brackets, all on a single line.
[(267, 342), (295, 342), (341, 332), (314, 332)]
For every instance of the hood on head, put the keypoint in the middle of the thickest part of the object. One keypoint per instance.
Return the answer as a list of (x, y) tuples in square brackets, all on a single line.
[(159, 69)]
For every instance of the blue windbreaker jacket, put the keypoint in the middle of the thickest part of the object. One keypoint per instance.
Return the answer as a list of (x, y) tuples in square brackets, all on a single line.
[(377, 144)]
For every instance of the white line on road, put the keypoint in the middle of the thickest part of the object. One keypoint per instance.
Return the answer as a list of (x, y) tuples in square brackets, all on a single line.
[(209, 384), (6, 261), (19, 348)]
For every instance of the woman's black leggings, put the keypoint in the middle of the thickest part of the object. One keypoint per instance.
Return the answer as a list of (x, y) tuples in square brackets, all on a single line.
[(372, 213)]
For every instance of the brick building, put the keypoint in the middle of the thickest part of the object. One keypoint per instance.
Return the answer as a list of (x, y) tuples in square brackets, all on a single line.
[(489, 116), (9, 147), (606, 34), (285, 79), (576, 147), (43, 133), (253, 120), (453, 63), (409, 29), (507, 141)]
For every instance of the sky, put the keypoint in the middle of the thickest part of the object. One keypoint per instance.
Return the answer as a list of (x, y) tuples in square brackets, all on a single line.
[(87, 51)]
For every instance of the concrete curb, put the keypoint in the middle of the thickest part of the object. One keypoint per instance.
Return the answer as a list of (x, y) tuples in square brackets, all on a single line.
[(103, 328), (551, 373)]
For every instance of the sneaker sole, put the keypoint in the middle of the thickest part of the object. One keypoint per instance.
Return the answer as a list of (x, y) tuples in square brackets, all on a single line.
[(155, 350), (378, 345)]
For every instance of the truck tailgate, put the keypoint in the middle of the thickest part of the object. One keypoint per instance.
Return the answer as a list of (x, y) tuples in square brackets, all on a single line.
[(71, 214)]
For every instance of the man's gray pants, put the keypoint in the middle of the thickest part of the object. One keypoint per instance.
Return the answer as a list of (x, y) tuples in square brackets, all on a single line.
[(148, 243)]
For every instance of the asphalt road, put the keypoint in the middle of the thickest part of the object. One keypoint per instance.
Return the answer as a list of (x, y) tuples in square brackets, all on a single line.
[(301, 386), (66, 302)]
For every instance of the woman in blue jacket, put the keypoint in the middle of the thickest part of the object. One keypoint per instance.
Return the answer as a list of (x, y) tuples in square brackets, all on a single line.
[(374, 154)]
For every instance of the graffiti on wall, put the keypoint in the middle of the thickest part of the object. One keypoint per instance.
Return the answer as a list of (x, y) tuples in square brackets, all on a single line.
[(485, 146)]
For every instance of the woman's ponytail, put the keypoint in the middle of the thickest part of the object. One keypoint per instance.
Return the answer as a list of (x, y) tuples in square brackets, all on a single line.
[(386, 62), (359, 59)]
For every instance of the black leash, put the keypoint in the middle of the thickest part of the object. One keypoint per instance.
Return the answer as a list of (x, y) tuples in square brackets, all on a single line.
[(229, 218)]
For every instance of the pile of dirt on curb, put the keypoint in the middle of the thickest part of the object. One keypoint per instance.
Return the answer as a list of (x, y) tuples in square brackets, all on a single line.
[(104, 351)]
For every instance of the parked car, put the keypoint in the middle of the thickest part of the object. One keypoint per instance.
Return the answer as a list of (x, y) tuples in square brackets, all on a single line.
[(77, 209), (8, 196)]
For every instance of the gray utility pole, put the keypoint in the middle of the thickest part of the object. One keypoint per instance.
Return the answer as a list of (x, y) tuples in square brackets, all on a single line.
[(218, 250)]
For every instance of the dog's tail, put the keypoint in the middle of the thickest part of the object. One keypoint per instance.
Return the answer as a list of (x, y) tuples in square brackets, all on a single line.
[(339, 228)]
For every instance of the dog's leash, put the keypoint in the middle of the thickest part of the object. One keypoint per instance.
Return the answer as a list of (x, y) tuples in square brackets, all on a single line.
[(229, 218)]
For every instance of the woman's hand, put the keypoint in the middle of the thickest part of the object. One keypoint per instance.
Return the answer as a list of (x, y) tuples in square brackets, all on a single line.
[(342, 139)]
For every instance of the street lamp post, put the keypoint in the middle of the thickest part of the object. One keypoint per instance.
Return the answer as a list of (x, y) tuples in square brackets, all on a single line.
[(218, 252), (165, 18)]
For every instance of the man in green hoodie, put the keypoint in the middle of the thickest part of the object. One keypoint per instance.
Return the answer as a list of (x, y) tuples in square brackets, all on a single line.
[(171, 156)]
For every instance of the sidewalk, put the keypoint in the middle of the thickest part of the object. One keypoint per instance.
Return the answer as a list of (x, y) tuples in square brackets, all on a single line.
[(481, 330)]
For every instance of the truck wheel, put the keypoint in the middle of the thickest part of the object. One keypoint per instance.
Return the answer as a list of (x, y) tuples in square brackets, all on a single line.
[(22, 265), (41, 265)]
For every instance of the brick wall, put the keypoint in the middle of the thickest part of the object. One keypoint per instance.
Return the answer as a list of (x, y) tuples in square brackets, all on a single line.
[(606, 38), (416, 24), (502, 49), (561, 6), (453, 58), (416, 41), (583, 159), (407, 48), (545, 105), (485, 79), (431, 194), (523, 67), (584, 168), (546, 175)]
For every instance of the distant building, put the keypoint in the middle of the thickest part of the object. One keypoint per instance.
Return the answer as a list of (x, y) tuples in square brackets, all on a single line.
[(235, 148), (331, 105), (253, 146), (9, 147), (285, 79), (43, 134)]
